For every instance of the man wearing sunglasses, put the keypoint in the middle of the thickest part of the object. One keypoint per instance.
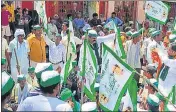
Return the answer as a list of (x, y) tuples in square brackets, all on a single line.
[(18, 52)]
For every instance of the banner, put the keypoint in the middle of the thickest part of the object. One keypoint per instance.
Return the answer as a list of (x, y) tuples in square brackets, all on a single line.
[(157, 11), (88, 68), (115, 78), (40, 8)]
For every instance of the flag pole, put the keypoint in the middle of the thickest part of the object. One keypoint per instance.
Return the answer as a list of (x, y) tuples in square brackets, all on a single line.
[(156, 89), (83, 70), (18, 66)]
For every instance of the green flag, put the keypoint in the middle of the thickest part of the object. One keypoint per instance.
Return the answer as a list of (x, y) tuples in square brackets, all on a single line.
[(66, 70), (40, 8), (119, 49), (115, 78), (71, 31), (88, 68), (132, 89), (157, 11)]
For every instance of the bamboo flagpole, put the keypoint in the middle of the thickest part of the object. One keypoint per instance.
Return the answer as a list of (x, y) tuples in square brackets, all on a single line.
[(18, 66)]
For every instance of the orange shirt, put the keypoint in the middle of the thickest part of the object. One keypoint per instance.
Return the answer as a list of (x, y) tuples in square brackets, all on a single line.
[(37, 49)]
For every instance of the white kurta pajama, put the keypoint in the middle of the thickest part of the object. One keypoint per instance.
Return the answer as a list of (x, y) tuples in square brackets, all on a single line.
[(57, 54), (133, 54), (22, 51)]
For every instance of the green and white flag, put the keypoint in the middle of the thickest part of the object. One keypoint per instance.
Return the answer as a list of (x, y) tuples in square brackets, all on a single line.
[(65, 72), (119, 49), (115, 78), (131, 95), (72, 42), (111, 25), (88, 68), (39, 6), (157, 11)]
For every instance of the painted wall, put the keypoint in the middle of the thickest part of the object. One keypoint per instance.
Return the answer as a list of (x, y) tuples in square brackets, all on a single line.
[(140, 11), (110, 8)]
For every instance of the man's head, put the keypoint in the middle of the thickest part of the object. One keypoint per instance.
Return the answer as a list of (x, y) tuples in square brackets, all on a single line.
[(171, 19), (19, 35), (37, 30), (113, 14), (153, 102), (69, 16), (25, 11), (79, 14), (67, 96), (65, 26), (92, 34), (172, 50), (31, 72), (3, 7), (152, 82), (7, 85), (58, 38), (21, 80), (19, 10), (149, 71), (146, 24), (50, 82), (136, 37), (95, 15), (157, 36), (42, 67)]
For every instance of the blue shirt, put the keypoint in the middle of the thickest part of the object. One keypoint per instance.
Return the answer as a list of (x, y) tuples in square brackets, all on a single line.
[(79, 22), (116, 20)]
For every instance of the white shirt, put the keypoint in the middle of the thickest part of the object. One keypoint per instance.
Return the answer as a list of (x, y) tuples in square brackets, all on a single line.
[(166, 86), (56, 53), (42, 103), (133, 54), (4, 47)]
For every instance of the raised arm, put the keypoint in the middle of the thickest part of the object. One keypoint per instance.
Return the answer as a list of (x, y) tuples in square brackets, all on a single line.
[(106, 38), (47, 40)]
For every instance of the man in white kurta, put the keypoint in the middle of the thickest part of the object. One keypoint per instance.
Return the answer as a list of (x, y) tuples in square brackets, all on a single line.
[(133, 50), (21, 47), (165, 84), (57, 54)]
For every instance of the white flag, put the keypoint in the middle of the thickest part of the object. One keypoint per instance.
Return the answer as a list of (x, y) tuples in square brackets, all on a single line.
[(40, 8), (88, 68), (115, 77), (157, 11)]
